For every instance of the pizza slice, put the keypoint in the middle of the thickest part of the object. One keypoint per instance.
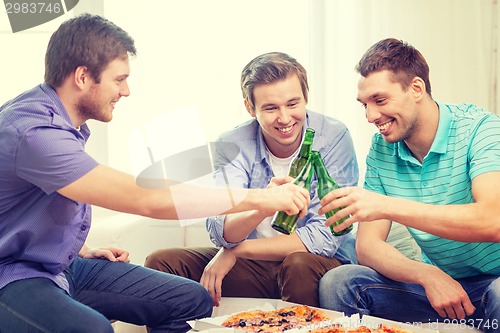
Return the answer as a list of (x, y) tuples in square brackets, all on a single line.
[(280, 320)]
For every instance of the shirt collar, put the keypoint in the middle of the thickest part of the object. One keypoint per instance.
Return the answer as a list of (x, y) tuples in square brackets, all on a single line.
[(261, 144), (61, 111), (440, 142)]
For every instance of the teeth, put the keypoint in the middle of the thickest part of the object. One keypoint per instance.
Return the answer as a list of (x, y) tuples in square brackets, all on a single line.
[(285, 129), (384, 126)]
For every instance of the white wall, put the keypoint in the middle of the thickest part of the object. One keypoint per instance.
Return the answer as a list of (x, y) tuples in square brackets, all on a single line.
[(191, 52)]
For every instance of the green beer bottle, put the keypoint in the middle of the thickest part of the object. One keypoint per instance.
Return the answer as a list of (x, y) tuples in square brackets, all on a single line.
[(325, 185), (283, 222), (301, 159)]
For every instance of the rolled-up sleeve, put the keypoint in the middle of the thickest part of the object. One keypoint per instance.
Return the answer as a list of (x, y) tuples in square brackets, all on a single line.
[(228, 172)]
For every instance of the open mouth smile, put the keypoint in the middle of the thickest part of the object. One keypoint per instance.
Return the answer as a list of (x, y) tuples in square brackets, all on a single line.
[(285, 129)]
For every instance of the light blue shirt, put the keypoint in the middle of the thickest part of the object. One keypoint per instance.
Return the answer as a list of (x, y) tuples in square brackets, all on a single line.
[(467, 144), (244, 163), (41, 152)]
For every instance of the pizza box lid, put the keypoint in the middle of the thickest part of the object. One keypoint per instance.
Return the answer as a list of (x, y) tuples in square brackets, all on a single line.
[(231, 305)]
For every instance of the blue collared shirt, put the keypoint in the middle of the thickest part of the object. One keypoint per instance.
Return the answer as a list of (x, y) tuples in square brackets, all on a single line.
[(41, 152), (252, 169)]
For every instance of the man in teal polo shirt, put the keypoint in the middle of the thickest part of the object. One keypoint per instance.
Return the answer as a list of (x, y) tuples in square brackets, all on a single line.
[(435, 168)]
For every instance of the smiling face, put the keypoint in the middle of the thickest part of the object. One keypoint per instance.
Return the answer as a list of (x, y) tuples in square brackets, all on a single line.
[(388, 106), (100, 99), (280, 109)]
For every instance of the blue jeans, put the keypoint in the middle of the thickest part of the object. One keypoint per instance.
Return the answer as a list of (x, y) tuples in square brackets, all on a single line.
[(101, 291), (360, 289)]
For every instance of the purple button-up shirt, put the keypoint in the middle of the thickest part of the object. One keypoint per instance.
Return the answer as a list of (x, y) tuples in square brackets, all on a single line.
[(41, 152)]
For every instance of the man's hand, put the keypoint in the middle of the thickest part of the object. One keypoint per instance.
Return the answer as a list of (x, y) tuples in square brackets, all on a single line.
[(361, 204), (287, 197), (446, 295), (110, 253), (215, 272)]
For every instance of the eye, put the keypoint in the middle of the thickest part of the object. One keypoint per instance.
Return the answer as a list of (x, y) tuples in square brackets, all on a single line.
[(293, 104), (380, 101), (121, 79), (363, 105)]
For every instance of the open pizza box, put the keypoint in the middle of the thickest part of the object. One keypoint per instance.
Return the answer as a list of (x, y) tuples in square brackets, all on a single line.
[(230, 305)]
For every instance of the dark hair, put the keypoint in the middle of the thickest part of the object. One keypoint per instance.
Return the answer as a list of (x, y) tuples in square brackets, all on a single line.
[(403, 60), (268, 68), (86, 40)]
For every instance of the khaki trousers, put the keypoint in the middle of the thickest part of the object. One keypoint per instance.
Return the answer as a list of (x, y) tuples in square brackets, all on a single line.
[(295, 279)]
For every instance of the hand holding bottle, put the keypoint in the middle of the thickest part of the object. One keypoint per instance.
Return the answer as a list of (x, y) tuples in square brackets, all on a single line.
[(284, 195), (283, 221), (325, 186), (362, 206)]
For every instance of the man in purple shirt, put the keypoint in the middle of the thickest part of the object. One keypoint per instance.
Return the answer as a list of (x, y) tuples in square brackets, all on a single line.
[(50, 281)]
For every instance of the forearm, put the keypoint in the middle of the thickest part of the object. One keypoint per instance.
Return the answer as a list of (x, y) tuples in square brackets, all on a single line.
[(388, 261), (191, 201), (274, 249), (238, 226), (474, 222), (83, 250)]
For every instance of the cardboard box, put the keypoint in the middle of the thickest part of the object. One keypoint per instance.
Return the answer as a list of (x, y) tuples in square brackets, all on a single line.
[(230, 305)]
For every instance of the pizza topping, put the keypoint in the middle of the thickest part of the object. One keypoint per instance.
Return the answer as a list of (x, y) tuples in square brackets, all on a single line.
[(300, 316), (277, 320)]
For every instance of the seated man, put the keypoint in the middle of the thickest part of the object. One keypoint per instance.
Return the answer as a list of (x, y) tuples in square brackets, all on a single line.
[(254, 260), (435, 168)]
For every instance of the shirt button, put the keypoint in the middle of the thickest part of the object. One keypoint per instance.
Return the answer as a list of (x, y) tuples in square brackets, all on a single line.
[(70, 257), (83, 228)]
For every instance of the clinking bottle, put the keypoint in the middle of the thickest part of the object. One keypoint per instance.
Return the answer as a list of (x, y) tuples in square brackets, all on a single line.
[(301, 159), (283, 222), (325, 185)]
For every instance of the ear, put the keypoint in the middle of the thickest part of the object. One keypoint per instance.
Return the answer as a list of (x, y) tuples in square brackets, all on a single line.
[(418, 88), (81, 77), (249, 109)]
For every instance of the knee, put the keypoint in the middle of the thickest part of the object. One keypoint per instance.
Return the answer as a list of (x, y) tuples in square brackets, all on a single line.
[(103, 326), (493, 292), (159, 260), (338, 281), (336, 278), (99, 324), (200, 304), (296, 263)]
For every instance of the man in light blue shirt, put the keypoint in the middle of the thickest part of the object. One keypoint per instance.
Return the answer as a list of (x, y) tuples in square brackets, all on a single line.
[(435, 168), (254, 260)]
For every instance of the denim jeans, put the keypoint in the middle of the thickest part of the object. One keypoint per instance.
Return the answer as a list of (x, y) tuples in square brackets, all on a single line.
[(101, 291), (359, 289)]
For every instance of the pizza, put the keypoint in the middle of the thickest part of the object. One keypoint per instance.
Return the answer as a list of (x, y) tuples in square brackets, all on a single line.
[(296, 317), (279, 320), (361, 329)]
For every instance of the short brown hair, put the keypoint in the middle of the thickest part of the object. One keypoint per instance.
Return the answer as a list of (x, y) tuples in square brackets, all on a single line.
[(268, 68), (86, 40), (403, 60)]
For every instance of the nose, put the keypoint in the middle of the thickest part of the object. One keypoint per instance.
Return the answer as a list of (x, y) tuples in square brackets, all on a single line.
[(371, 114), (284, 116), (125, 90)]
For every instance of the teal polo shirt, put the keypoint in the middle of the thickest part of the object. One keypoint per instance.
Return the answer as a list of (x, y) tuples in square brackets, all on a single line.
[(467, 144)]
